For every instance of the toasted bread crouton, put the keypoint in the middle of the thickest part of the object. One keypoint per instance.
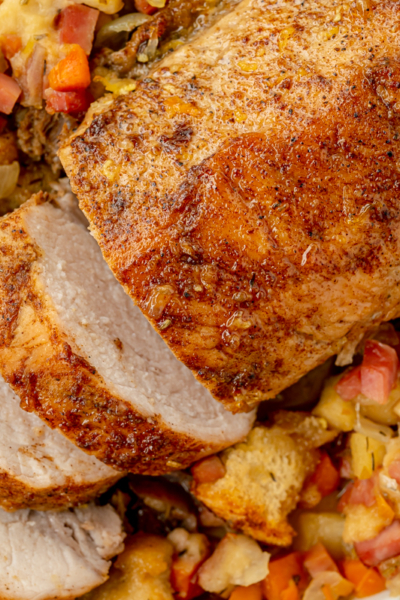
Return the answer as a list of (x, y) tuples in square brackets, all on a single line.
[(141, 572), (264, 476)]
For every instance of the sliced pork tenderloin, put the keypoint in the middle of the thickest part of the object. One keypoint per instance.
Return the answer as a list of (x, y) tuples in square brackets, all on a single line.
[(46, 555), (40, 468), (83, 358)]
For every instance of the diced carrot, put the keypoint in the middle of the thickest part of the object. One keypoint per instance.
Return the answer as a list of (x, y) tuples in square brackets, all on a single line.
[(208, 470), (325, 476), (10, 44), (318, 560), (291, 592), (367, 581), (252, 592), (281, 572), (72, 72), (144, 7)]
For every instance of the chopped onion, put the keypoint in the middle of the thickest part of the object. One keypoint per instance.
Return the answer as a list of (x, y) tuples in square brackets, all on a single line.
[(380, 433), (157, 3), (110, 7), (125, 23), (8, 179), (151, 48)]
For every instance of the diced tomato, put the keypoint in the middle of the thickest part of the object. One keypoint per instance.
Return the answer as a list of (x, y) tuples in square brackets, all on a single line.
[(318, 560), (9, 93), (68, 102), (366, 581), (350, 385), (208, 470), (10, 44), (385, 545), (362, 491), (282, 573), (378, 371), (77, 24), (72, 72), (394, 470), (144, 7), (325, 476), (251, 592), (376, 376)]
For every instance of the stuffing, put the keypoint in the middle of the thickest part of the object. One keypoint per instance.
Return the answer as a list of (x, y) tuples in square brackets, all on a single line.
[(141, 572), (264, 475), (237, 560)]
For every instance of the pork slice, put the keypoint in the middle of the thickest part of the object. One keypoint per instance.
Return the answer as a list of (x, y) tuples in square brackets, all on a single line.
[(39, 467), (255, 173), (83, 358), (46, 555)]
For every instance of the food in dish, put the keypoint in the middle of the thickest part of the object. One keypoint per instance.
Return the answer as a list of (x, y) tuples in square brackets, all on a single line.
[(243, 189)]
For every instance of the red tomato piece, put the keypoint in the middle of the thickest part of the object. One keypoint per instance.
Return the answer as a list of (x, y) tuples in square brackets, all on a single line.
[(394, 470), (317, 560), (385, 545), (10, 44), (350, 385), (378, 371), (9, 93), (77, 24), (208, 470), (144, 7), (68, 102), (362, 491), (325, 476)]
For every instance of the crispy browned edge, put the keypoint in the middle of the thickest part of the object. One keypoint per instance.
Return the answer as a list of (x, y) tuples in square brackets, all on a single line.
[(15, 494), (62, 387)]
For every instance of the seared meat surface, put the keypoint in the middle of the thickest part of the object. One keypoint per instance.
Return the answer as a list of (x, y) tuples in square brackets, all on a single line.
[(246, 195)]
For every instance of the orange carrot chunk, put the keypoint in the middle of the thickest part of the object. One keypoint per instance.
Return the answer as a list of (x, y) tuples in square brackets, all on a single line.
[(367, 581), (282, 573), (325, 476), (72, 72), (252, 592)]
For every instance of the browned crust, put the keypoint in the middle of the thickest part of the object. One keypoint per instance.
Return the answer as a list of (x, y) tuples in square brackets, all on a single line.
[(322, 188), (15, 494), (61, 387)]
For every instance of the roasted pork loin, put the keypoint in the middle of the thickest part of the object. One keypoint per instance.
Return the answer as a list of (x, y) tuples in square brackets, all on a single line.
[(39, 467), (83, 358), (47, 555), (246, 195)]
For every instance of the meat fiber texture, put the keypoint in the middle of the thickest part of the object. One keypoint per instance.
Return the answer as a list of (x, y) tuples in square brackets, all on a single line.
[(82, 357), (46, 555), (39, 467), (246, 194)]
